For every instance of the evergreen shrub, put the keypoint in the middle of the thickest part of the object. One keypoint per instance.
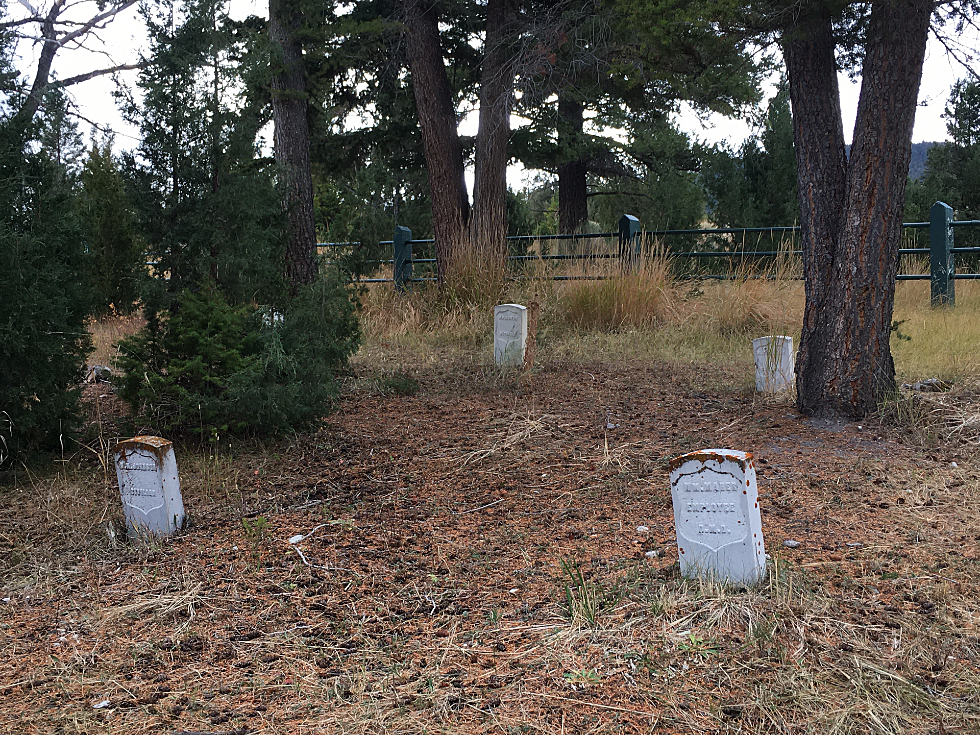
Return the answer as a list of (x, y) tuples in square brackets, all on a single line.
[(43, 339), (206, 367)]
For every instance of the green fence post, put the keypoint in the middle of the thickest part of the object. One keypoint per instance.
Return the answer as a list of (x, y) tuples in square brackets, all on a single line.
[(942, 268), (402, 260), (629, 241)]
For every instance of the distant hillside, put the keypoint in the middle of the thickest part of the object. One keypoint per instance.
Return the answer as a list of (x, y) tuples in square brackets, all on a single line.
[(917, 167)]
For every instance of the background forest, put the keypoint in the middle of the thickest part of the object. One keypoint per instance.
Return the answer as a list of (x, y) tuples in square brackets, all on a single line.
[(200, 218)]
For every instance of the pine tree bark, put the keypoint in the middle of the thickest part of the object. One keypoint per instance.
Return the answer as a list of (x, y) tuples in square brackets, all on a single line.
[(850, 210), (488, 229), (573, 193), (291, 142), (821, 163), (440, 138)]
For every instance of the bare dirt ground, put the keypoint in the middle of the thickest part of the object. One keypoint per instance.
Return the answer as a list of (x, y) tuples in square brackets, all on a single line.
[(475, 562)]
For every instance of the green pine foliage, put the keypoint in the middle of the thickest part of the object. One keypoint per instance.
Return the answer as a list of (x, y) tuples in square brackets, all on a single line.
[(226, 349), (364, 205), (205, 196), (115, 263), (181, 367), (208, 367), (953, 170), (756, 187), (43, 339), (657, 183), (963, 113), (304, 353)]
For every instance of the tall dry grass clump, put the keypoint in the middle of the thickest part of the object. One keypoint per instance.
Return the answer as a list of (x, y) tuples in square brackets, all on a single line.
[(640, 298), (655, 312), (752, 300), (425, 311), (475, 275)]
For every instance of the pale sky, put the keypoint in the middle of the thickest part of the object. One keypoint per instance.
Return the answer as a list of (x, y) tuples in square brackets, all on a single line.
[(938, 75), (125, 37)]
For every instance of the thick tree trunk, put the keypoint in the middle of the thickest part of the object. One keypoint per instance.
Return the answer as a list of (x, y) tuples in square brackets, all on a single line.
[(488, 229), (291, 142), (573, 194), (867, 261), (437, 123), (851, 217), (821, 164)]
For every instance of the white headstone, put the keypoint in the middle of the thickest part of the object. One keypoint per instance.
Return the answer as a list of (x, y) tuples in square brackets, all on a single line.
[(509, 334), (149, 486), (774, 363), (716, 515)]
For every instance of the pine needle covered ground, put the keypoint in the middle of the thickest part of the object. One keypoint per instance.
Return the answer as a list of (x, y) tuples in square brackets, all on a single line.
[(494, 552)]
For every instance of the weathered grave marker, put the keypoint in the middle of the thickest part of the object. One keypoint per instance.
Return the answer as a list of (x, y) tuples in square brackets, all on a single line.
[(509, 334), (716, 515), (149, 486), (774, 363)]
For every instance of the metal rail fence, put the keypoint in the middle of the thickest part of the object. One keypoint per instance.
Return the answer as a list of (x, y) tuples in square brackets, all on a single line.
[(631, 238)]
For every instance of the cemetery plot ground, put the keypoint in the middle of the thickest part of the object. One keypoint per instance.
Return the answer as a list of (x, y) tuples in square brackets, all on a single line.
[(496, 554)]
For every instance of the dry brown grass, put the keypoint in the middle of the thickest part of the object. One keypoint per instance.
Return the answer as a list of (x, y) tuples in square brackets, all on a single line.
[(641, 298), (75, 511), (752, 301), (945, 343), (403, 621), (652, 315), (647, 313), (797, 654), (473, 276), (106, 333), (407, 624)]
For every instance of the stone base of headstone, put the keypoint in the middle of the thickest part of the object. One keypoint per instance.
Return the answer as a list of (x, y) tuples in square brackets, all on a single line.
[(775, 363), (149, 487), (509, 335), (716, 516)]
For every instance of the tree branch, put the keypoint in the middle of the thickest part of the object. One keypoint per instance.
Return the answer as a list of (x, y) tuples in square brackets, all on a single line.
[(26, 113), (93, 74), (104, 17), (30, 8), (20, 22), (52, 42), (639, 194), (965, 59)]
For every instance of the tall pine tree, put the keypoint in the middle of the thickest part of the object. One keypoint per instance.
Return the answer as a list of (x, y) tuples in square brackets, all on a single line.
[(205, 197), (115, 261), (229, 346), (43, 338), (756, 187)]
